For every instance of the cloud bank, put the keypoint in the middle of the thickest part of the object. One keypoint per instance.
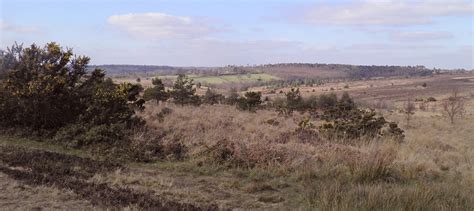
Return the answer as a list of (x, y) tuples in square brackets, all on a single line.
[(382, 12), (161, 25)]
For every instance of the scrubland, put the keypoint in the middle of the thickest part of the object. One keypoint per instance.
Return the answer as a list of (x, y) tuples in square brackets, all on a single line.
[(234, 159), (73, 139), (227, 158)]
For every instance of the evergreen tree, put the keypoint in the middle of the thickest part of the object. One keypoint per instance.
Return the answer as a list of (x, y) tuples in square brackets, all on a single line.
[(184, 92), (157, 92)]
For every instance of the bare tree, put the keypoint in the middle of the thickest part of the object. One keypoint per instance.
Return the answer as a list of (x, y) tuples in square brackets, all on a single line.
[(453, 106), (408, 111)]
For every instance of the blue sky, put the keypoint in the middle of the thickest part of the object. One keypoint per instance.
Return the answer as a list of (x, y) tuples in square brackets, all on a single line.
[(433, 33)]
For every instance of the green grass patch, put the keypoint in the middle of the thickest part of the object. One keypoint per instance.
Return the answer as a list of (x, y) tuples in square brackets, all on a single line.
[(243, 78), (47, 145)]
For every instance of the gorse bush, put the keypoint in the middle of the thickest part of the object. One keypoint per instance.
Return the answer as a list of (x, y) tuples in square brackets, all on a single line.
[(343, 122), (49, 88), (78, 136)]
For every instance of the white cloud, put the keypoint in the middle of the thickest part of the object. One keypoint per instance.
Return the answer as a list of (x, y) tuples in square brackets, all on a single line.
[(161, 25), (417, 36), (9, 27), (384, 12)]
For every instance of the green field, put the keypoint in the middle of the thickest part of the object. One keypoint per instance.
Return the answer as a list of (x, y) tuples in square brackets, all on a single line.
[(244, 78)]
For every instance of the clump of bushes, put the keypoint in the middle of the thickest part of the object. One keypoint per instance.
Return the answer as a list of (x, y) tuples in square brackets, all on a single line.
[(48, 88), (211, 97), (345, 121), (50, 92), (250, 101), (157, 92)]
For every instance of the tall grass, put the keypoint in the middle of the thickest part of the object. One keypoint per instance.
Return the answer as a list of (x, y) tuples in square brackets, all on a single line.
[(430, 170)]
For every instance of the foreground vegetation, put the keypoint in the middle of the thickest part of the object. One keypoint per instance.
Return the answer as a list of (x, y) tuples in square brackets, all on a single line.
[(70, 129)]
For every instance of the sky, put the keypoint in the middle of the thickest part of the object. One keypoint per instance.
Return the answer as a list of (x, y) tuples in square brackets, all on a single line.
[(434, 33)]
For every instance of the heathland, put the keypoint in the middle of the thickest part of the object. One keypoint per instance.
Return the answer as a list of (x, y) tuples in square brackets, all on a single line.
[(283, 136)]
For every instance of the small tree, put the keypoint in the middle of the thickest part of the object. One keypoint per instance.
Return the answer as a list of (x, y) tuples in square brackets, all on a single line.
[(184, 92), (294, 101), (346, 101), (157, 92), (250, 101), (408, 111), (453, 106)]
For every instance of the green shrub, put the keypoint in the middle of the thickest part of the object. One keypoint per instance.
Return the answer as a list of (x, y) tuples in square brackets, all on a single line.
[(355, 123), (294, 101), (48, 88), (327, 100), (183, 92), (157, 92), (79, 136), (251, 101)]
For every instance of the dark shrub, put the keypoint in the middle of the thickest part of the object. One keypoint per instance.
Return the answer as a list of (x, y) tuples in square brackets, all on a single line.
[(355, 123), (78, 135), (211, 97), (294, 101), (183, 92), (327, 100), (346, 101), (250, 101), (311, 102), (164, 112), (157, 92), (48, 88)]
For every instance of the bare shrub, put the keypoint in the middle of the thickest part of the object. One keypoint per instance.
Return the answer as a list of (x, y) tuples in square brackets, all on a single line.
[(408, 111), (453, 106)]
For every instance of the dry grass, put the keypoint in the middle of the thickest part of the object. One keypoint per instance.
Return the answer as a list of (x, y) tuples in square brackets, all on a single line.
[(432, 169), (17, 196), (242, 160)]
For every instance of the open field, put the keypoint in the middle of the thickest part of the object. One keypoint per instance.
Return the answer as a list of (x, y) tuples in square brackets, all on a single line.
[(222, 79), (388, 89)]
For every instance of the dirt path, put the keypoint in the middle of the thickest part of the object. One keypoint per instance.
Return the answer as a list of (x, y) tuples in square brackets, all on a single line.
[(37, 168)]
